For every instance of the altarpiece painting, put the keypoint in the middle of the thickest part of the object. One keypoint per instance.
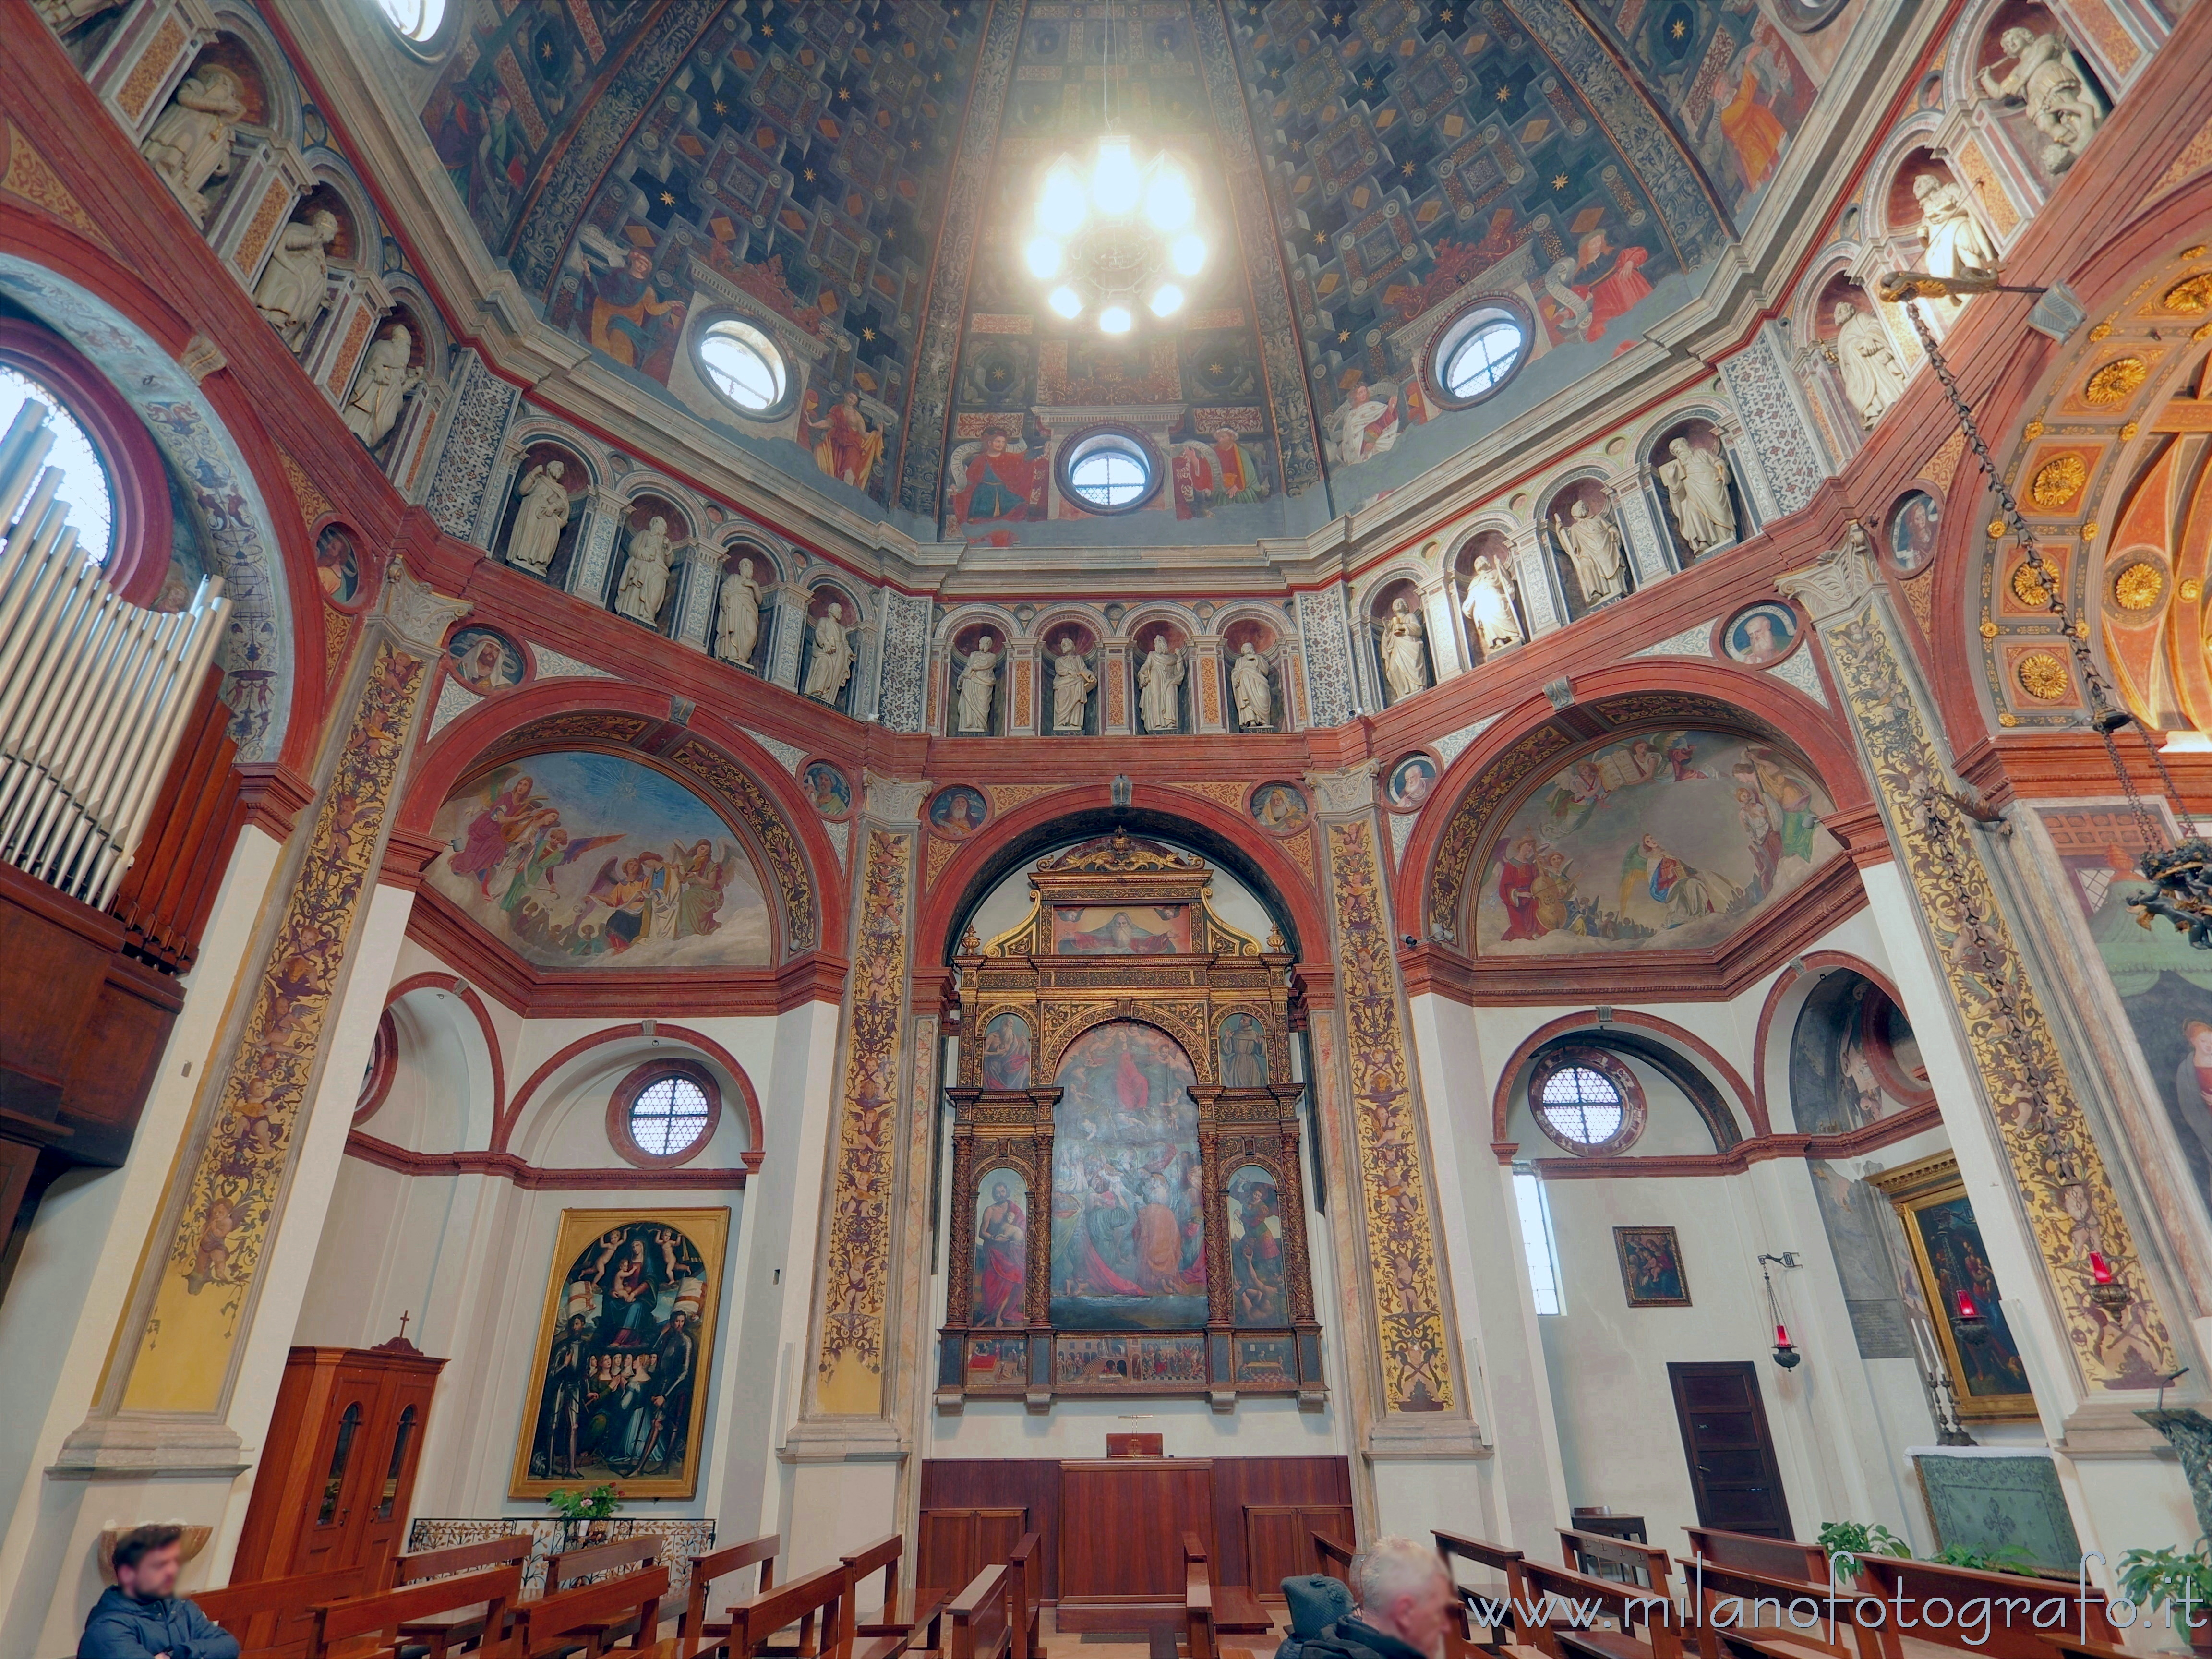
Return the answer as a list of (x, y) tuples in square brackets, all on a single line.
[(1129, 1189)]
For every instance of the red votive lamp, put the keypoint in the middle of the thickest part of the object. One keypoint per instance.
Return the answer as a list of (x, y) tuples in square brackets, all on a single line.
[(1966, 1308), (2100, 1271)]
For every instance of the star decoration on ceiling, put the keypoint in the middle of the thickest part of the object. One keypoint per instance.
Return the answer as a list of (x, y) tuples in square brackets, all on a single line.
[(1504, 93), (720, 108), (808, 175), (1559, 181), (1405, 168), (914, 143), (1445, 15), (1319, 239), (1679, 29), (867, 334), (1367, 81), (667, 198), (1342, 334), (844, 95)]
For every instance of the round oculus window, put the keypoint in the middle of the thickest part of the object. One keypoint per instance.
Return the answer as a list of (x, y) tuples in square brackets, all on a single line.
[(1109, 472), (418, 21), (669, 1114), (744, 366), (84, 489), (1580, 1105), (1479, 352)]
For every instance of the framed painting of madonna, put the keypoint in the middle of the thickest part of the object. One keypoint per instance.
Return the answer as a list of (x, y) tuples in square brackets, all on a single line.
[(624, 1350), (1126, 1176)]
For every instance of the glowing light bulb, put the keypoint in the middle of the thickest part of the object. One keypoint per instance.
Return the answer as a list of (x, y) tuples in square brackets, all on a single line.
[(1042, 256), (1115, 182), (1187, 253), (1167, 301), (1066, 302), (1114, 319), (1168, 201), (1063, 206)]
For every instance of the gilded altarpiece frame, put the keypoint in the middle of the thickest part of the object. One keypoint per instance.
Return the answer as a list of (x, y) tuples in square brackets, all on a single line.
[(1121, 947)]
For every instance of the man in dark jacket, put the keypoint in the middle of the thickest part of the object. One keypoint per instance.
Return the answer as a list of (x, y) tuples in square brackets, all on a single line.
[(1403, 1590), (143, 1617)]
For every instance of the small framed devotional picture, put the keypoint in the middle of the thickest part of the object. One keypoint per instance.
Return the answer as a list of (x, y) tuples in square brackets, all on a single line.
[(1651, 1267)]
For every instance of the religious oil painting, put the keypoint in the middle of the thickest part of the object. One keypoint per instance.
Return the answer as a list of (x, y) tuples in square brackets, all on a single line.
[(998, 1362), (1121, 930), (338, 567), (1760, 633), (484, 661), (624, 1350), (1127, 1361), (1243, 1052), (1913, 523), (1002, 1249), (1006, 1052), (1651, 1267), (1411, 780), (1977, 1344), (1673, 840), (591, 860), (958, 811), (1256, 1246), (1129, 1197), (826, 787), (1279, 808), (1266, 1362)]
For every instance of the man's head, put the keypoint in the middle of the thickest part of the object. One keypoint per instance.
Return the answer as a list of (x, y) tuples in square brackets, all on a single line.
[(1403, 1591), (2016, 40), (146, 1562)]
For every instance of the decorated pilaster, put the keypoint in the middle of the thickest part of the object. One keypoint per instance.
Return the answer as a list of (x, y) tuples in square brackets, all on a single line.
[(1115, 716), (1207, 714), (144, 60), (266, 180), (357, 299)]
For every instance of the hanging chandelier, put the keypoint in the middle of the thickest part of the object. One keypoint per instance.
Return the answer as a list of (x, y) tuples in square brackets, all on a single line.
[(1115, 238)]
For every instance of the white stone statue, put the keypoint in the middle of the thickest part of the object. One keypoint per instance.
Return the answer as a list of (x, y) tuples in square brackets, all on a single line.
[(539, 521), (1488, 606), (1697, 482), (1593, 546), (1254, 694), (62, 15), (189, 143), (832, 663), (979, 685), (644, 578), (1405, 652), (291, 290), (1873, 378), (1072, 683), (2046, 76), (382, 386), (736, 630), (1957, 243), (1159, 687)]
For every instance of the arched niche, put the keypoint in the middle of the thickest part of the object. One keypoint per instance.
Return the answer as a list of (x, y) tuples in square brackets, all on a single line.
[(540, 527), (1670, 1104), (1263, 634), (639, 512), (1160, 697), (1696, 486), (1486, 580), (1589, 552), (1069, 644), (1397, 633), (731, 561), (822, 674), (979, 679)]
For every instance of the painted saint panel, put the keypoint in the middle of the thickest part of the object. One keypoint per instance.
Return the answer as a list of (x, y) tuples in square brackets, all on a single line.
[(1007, 1052), (1002, 1248), (1135, 930), (1256, 1246), (1243, 1052), (1673, 840), (1984, 1360), (1128, 1205), (591, 860)]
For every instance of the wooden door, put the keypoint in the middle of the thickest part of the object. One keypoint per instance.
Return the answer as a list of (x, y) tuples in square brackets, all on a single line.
[(1732, 1471), (343, 1460), (404, 1408), (957, 1544)]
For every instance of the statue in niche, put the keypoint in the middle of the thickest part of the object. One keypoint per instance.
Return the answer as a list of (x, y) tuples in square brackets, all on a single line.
[(1405, 651), (1072, 683), (1159, 687), (1488, 606), (832, 663), (737, 631), (644, 578), (382, 388), (2047, 78), (62, 15), (1249, 685), (538, 522), (290, 293), (190, 144), (1593, 546), (1697, 482), (1873, 378), (979, 686), (1957, 243)]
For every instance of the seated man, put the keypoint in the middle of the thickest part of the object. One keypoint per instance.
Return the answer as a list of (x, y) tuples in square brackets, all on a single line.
[(142, 1616), (1403, 1592)]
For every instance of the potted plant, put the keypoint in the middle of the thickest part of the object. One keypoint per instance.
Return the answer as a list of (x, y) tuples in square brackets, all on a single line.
[(1847, 1541), (2177, 1581), (581, 1509)]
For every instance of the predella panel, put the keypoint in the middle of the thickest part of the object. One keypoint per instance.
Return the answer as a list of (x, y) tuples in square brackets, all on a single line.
[(578, 860)]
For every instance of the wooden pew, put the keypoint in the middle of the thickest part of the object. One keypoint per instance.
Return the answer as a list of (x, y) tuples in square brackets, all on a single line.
[(1778, 1558), (447, 1632), (1197, 1602), (1601, 1557), (619, 1556), (899, 1613), (979, 1626), (1459, 1630), (1237, 1610), (1768, 1609), (365, 1625), (591, 1618), (1025, 1602), (1557, 1634), (275, 1619), (1333, 1560), (2013, 1632), (813, 1602), (693, 1629)]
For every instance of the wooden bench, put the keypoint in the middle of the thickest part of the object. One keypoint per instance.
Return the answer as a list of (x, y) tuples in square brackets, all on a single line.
[(1777, 1557), (899, 1613), (694, 1628), (1237, 1610), (814, 1602), (979, 1625), (1333, 1560), (366, 1625), (2020, 1609), (448, 1632), (591, 1618), (1795, 1615), (617, 1556), (275, 1619), (1025, 1599), (1459, 1630), (1603, 1556), (1197, 1605), (1568, 1603)]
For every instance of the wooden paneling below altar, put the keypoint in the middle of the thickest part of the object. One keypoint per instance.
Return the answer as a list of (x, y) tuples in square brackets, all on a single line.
[(1110, 1530)]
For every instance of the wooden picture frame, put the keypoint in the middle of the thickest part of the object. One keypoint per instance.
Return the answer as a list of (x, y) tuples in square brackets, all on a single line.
[(1651, 1271), (614, 1290), (1987, 1374)]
